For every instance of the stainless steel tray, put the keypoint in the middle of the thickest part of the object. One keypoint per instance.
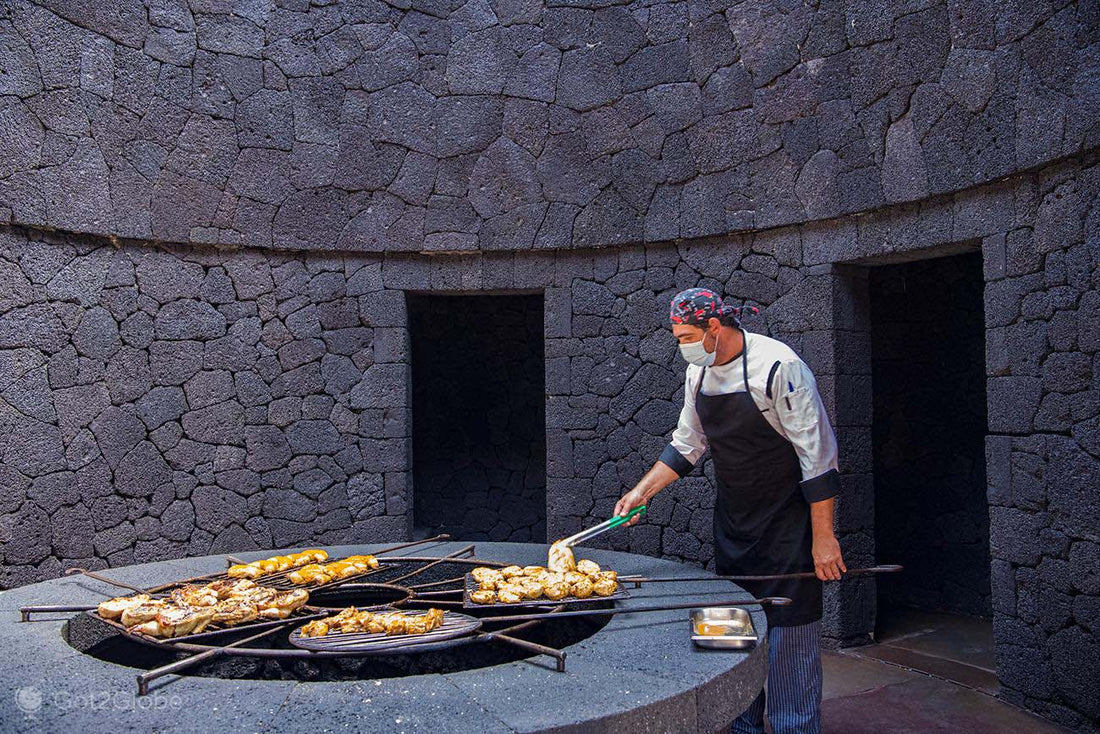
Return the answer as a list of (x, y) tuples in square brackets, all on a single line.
[(741, 634)]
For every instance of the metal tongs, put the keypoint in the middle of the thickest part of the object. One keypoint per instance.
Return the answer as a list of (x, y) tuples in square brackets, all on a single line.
[(592, 532)]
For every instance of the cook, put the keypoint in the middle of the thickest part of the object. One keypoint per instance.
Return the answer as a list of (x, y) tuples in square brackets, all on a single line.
[(755, 404)]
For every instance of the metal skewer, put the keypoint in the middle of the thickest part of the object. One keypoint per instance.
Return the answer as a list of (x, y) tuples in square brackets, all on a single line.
[(778, 601), (639, 580), (144, 679)]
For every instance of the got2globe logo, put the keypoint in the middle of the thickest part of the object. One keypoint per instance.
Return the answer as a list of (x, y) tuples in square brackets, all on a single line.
[(28, 699)]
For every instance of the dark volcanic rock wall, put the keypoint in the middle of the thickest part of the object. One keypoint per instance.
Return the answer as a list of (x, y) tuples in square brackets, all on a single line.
[(928, 375), (449, 125), (157, 403), (479, 433)]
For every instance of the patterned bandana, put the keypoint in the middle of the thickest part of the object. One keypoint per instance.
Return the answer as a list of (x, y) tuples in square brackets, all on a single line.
[(696, 305)]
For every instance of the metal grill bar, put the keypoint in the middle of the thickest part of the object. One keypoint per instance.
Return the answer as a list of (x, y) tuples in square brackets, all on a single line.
[(144, 679), (639, 580), (468, 550)]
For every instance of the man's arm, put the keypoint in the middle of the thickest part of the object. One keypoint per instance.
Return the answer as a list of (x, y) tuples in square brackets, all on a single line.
[(679, 457), (656, 479), (828, 561), (802, 415)]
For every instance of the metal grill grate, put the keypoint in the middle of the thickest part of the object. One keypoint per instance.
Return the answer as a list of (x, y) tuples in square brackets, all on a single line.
[(301, 614), (379, 643), (471, 586)]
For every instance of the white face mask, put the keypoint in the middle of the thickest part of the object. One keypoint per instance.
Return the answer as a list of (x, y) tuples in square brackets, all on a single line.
[(696, 352)]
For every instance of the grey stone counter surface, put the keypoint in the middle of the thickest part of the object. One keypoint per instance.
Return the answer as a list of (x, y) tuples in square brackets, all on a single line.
[(640, 673)]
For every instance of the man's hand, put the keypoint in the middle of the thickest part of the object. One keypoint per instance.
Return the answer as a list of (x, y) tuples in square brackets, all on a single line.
[(628, 502), (828, 561)]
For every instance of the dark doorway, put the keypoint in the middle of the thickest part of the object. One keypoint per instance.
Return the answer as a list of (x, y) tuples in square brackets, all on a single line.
[(479, 442), (928, 376)]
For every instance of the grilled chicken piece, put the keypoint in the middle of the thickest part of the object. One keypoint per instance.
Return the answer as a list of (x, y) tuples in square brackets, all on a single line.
[(229, 588), (235, 611), (312, 574), (180, 621), (370, 561), (176, 622), (397, 625), (588, 568), (141, 612), (484, 573), (416, 626), (556, 590), (510, 594), (392, 623), (113, 608), (435, 616), (581, 589), (561, 558), (483, 596), (316, 628), (532, 589), (604, 586), (190, 595), (283, 604), (244, 571), (275, 564), (533, 570), (510, 571)]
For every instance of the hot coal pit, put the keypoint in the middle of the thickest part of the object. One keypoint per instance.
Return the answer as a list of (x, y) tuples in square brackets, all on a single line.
[(629, 671), (92, 637)]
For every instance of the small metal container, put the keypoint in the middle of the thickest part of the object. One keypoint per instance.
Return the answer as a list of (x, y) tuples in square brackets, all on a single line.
[(722, 628)]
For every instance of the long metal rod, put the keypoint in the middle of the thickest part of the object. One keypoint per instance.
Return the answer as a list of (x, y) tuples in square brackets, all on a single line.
[(558, 655), (637, 580), (430, 594), (104, 579), (144, 679), (444, 582), (455, 554), (433, 602), (434, 539), (26, 612), (774, 600)]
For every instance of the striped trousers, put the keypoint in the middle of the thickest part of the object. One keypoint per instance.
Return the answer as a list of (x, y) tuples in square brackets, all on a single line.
[(793, 699)]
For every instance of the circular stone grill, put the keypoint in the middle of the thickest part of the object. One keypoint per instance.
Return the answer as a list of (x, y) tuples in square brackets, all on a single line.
[(640, 662)]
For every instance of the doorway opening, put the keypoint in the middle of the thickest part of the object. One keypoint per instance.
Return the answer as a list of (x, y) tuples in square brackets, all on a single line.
[(478, 400), (928, 438)]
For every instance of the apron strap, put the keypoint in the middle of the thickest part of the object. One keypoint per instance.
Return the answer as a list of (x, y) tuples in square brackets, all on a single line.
[(745, 360)]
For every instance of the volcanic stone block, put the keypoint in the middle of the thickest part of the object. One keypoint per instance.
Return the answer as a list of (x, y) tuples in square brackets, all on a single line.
[(160, 405), (189, 319), (1012, 403), (221, 423), (142, 471), (216, 509)]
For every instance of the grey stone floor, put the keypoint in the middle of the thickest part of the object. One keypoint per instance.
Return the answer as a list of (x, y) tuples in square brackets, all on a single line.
[(928, 673)]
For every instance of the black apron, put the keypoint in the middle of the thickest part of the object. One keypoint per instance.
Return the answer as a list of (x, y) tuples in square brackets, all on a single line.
[(761, 520)]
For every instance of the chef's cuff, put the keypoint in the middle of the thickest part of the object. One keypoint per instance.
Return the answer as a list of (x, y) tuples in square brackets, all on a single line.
[(675, 461), (821, 487)]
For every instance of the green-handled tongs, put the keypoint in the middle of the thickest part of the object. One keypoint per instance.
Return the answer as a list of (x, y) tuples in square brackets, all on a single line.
[(604, 526)]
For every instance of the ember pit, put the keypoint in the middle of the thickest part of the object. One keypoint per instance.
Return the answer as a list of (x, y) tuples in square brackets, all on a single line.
[(636, 672)]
